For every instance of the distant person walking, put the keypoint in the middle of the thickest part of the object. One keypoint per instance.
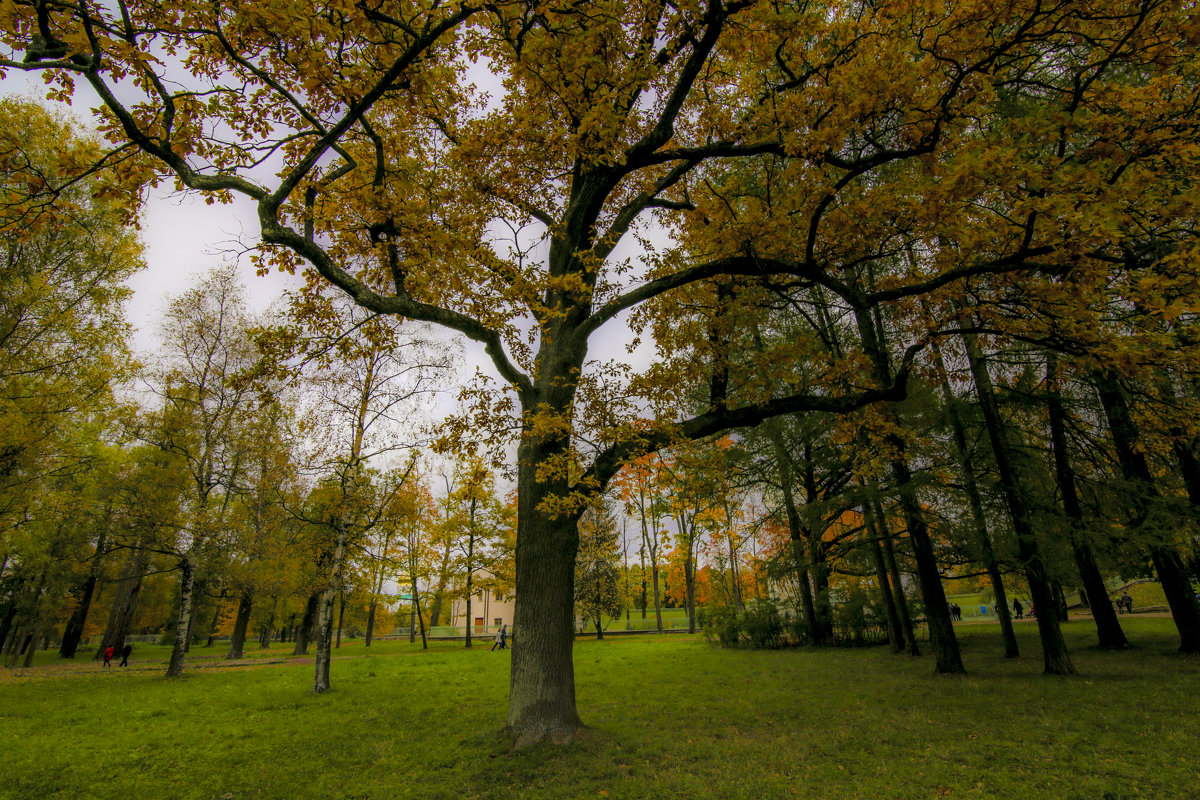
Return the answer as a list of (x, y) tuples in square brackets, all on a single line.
[(501, 638), (1018, 609), (108, 655), (1127, 602), (125, 651)]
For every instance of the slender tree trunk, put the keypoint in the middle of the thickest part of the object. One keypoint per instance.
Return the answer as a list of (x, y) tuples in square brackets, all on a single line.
[(371, 621), (420, 619), (237, 641), (304, 631), (187, 573), (1167, 562), (689, 588), (657, 598), (470, 621), (264, 641), (341, 616), (937, 611), (982, 538), (1108, 627), (324, 636), (783, 464), (212, 629), (889, 558), (895, 632), (1056, 659)]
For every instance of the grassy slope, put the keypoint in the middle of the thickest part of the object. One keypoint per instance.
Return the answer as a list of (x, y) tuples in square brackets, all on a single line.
[(671, 716)]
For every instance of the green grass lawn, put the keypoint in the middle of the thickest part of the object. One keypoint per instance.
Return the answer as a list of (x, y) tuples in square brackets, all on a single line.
[(671, 717)]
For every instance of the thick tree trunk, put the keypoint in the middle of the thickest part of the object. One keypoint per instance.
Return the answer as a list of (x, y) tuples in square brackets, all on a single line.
[(6, 624), (237, 641), (124, 605), (1167, 562), (187, 572), (1055, 658), (542, 682), (304, 631), (435, 610), (73, 632)]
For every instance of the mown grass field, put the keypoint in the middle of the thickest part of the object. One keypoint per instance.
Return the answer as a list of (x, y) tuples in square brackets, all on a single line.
[(671, 717)]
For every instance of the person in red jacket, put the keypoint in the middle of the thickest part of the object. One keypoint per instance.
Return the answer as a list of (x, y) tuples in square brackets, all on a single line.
[(108, 654)]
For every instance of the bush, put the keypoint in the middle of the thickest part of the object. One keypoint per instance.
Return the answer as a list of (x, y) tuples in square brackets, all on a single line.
[(763, 624), (760, 625)]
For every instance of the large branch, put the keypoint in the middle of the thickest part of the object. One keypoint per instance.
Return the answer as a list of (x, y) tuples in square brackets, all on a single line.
[(731, 265), (609, 462), (274, 232), (330, 139), (664, 127)]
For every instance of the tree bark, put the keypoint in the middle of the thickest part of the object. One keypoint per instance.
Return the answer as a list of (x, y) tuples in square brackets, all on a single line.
[(212, 628), (895, 632), (304, 632), (1167, 562), (124, 605), (1055, 658), (341, 616), (937, 611), (187, 572), (371, 621), (324, 636), (73, 631), (542, 683), (420, 619), (889, 558), (783, 464), (1108, 627), (982, 538), (237, 641)]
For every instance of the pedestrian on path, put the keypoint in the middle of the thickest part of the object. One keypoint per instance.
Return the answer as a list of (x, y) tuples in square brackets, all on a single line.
[(125, 651), (108, 655)]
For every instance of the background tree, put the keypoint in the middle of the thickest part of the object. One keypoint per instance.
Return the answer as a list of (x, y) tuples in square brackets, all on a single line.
[(598, 569)]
